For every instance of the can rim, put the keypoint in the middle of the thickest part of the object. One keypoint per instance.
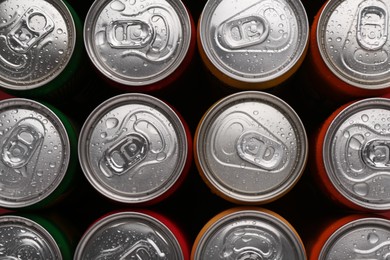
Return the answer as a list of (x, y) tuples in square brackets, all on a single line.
[(96, 115), (301, 136), (122, 216), (89, 30)]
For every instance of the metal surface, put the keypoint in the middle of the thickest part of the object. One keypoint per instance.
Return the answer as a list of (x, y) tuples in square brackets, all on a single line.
[(35, 152), (251, 147), (37, 39), (354, 42), (133, 148), (356, 153)]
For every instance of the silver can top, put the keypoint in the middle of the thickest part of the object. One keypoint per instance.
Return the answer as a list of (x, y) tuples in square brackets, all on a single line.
[(365, 238), (133, 148), (37, 39), (137, 43), (128, 235), (251, 146), (356, 153), (35, 152), (354, 42), (22, 238), (249, 234), (254, 41)]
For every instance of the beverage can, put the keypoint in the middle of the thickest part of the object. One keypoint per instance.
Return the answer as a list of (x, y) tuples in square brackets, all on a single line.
[(351, 155), (135, 148), (253, 44), (248, 233), (250, 147), (139, 45)]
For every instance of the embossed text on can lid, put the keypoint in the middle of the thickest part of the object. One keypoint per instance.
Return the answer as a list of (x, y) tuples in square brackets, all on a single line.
[(37, 39), (22, 238), (251, 147), (137, 43), (133, 148), (35, 152), (356, 153), (128, 235), (249, 234), (353, 39), (365, 238), (254, 41)]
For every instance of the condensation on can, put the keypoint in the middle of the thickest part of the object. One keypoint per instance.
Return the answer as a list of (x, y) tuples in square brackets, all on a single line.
[(253, 44), (248, 233), (139, 45), (351, 152), (350, 48), (135, 148), (37, 159), (250, 147), (133, 234), (40, 48)]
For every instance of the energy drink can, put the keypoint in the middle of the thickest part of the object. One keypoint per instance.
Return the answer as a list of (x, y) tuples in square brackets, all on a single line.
[(253, 44), (141, 46), (38, 154), (250, 147), (135, 149), (350, 49), (351, 155), (133, 235), (248, 233), (40, 48)]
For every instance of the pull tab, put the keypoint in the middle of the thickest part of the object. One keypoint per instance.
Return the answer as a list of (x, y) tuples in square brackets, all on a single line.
[(372, 26), (376, 154), (244, 32), (129, 34), (260, 150), (143, 249), (31, 28), (124, 155)]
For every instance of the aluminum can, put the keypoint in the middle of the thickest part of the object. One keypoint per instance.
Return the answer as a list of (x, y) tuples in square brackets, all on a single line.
[(38, 157), (354, 236), (32, 237), (141, 234), (351, 155), (141, 46), (248, 233), (253, 44), (250, 147), (39, 46), (350, 49), (135, 148)]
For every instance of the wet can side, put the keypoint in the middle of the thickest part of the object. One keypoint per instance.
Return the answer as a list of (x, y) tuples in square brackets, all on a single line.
[(250, 147), (140, 46), (350, 152), (253, 45), (248, 233), (38, 154), (135, 148), (349, 50), (142, 234), (41, 48)]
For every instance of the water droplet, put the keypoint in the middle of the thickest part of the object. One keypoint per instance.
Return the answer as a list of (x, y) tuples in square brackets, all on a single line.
[(112, 122), (61, 51), (161, 156), (59, 31), (365, 118), (361, 189), (372, 238), (103, 135), (52, 164), (117, 6)]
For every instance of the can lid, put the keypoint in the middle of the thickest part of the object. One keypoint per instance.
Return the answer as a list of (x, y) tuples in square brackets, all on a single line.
[(133, 148), (137, 43), (22, 238), (37, 39), (365, 238), (353, 40), (356, 153), (254, 41), (35, 152), (249, 234), (128, 235), (251, 147)]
